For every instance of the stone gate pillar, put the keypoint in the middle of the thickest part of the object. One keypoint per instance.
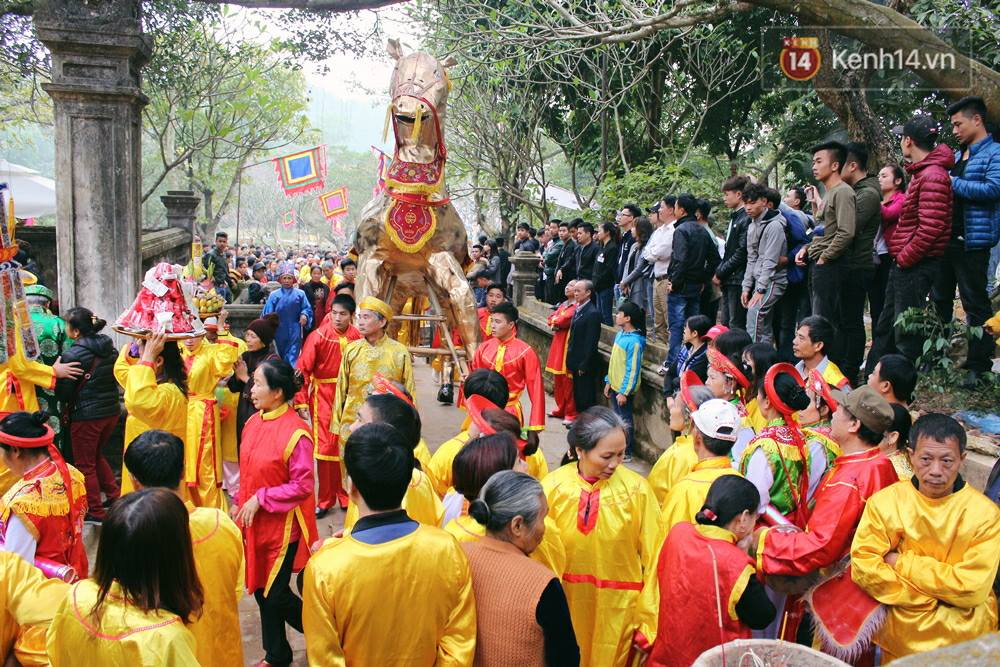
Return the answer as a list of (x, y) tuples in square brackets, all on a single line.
[(98, 50), (524, 266), (182, 209)]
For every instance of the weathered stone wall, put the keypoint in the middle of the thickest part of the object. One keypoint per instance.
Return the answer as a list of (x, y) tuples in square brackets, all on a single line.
[(650, 407)]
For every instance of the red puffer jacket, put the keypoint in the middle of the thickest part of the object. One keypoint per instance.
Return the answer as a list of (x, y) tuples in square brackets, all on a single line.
[(925, 223)]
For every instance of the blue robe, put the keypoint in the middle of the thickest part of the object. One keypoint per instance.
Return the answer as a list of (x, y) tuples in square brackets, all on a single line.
[(289, 303)]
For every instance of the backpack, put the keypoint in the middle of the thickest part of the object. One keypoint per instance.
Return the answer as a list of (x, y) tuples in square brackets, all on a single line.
[(795, 238)]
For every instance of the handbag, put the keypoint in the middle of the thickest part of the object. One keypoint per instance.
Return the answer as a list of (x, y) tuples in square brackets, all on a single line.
[(67, 410)]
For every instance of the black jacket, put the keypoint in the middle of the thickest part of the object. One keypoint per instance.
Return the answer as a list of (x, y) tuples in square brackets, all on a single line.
[(586, 256), (98, 395), (567, 261), (584, 335), (695, 258), (605, 266), (734, 260), (628, 238), (220, 274)]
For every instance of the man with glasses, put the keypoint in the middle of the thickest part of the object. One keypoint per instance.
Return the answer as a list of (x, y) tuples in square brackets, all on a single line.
[(625, 219)]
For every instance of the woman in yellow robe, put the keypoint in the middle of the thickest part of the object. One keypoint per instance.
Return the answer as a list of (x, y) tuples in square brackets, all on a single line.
[(607, 519), (207, 364), (679, 458), (155, 391), (157, 460), (28, 601), (145, 541), (421, 502)]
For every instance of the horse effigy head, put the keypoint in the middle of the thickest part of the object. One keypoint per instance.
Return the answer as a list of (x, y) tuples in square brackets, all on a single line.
[(419, 95)]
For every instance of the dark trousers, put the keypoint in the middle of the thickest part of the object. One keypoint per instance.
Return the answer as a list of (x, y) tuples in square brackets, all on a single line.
[(625, 412), (876, 290), (709, 303), (824, 289), (279, 607), (585, 388), (679, 309), (734, 315), (605, 305), (966, 269), (854, 292), (87, 439), (792, 309), (907, 288)]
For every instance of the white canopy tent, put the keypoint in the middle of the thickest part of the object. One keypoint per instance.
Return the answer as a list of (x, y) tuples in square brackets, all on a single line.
[(34, 195), (563, 197)]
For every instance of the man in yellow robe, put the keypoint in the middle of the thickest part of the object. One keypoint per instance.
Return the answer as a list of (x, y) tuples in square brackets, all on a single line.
[(156, 459), (928, 548), (393, 591), (362, 359), (716, 423), (28, 601)]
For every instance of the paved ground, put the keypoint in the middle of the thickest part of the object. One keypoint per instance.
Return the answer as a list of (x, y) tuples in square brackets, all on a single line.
[(439, 424)]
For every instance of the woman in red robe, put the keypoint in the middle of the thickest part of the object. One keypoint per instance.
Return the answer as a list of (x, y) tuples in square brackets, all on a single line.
[(708, 588), (276, 504)]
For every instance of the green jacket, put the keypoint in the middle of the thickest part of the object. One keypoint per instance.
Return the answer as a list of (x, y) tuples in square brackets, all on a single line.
[(51, 333)]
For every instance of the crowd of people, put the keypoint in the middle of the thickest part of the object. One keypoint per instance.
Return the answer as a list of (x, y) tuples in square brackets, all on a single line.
[(798, 499)]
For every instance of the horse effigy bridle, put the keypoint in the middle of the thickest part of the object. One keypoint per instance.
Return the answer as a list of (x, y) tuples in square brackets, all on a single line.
[(410, 220)]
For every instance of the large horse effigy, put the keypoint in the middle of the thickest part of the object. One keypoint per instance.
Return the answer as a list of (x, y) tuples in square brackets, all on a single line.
[(411, 232)]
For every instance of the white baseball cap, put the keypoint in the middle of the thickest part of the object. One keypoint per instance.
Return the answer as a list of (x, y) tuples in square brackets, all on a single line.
[(717, 418)]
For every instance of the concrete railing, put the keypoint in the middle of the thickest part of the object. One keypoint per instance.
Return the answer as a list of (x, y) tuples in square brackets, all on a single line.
[(652, 431)]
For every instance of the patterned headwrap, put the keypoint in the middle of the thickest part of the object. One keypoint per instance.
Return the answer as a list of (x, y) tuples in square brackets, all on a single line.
[(721, 363), (383, 385), (46, 440), (376, 305), (287, 269), (689, 379)]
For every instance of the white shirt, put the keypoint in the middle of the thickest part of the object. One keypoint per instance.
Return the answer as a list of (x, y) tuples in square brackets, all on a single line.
[(17, 540), (659, 249)]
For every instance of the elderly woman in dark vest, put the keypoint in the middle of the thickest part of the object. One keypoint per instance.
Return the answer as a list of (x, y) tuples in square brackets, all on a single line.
[(522, 616)]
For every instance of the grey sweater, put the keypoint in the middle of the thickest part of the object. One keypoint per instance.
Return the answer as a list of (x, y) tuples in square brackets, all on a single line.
[(766, 245)]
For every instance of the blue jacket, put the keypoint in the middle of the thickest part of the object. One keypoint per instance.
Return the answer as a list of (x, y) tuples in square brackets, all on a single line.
[(979, 190)]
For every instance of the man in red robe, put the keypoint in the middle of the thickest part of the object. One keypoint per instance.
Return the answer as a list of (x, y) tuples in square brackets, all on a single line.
[(319, 364), (861, 470), (517, 362), (494, 296), (560, 321)]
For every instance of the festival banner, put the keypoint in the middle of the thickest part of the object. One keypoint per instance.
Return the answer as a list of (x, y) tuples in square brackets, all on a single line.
[(301, 172), (381, 171), (334, 203), (288, 219)]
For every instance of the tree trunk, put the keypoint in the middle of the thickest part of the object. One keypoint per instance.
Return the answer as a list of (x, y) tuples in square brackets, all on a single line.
[(856, 18), (845, 95)]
